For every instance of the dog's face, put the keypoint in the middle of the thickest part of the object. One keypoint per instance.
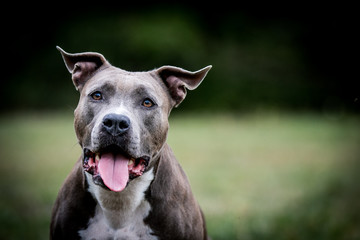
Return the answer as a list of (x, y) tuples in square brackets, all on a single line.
[(121, 120)]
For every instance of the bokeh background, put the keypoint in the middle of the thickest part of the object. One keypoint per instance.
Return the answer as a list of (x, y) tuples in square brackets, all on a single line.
[(270, 140)]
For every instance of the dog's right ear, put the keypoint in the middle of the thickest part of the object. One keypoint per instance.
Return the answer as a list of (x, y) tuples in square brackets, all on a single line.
[(82, 65)]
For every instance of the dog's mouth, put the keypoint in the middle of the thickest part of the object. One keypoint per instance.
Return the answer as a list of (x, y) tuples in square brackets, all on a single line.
[(112, 168)]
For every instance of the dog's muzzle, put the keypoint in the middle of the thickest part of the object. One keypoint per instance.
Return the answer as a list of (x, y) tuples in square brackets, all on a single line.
[(112, 168), (110, 165)]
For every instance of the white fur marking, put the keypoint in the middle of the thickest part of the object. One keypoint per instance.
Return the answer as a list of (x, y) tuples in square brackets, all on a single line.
[(120, 215)]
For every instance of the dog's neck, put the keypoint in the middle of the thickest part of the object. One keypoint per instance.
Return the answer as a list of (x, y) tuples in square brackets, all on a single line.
[(119, 208)]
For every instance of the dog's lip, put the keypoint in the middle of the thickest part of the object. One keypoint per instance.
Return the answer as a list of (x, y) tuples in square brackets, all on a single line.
[(115, 150), (107, 149), (91, 159)]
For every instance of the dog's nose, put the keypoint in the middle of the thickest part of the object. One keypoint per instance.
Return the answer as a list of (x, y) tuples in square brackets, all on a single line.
[(116, 124)]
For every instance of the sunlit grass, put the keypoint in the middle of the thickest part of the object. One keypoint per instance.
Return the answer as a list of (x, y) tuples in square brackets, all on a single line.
[(252, 174)]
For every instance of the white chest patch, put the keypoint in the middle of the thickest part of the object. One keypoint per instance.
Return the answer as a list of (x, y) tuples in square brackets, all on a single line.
[(120, 215)]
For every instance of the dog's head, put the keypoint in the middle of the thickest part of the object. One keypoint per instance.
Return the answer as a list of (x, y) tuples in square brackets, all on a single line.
[(121, 120)]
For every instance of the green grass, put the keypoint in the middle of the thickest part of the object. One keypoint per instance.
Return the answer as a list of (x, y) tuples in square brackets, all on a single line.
[(256, 176)]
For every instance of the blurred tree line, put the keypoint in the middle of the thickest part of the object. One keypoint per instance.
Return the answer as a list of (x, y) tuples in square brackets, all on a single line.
[(287, 57)]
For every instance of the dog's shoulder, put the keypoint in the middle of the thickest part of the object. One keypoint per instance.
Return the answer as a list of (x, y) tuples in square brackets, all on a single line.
[(73, 208), (175, 212)]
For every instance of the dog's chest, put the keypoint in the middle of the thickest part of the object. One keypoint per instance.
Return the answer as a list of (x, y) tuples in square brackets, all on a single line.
[(99, 229), (120, 215)]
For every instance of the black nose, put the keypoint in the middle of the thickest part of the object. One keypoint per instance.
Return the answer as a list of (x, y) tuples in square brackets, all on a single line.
[(116, 124)]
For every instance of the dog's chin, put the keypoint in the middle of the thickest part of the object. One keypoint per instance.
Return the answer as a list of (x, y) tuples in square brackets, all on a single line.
[(112, 168)]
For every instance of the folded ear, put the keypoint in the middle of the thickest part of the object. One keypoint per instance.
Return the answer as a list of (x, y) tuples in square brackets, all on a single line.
[(178, 80), (82, 65)]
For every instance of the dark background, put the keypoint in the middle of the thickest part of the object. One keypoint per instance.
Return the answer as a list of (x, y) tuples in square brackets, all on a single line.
[(274, 56), (290, 68)]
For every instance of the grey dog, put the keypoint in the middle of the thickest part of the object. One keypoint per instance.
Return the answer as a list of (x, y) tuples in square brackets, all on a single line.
[(127, 184)]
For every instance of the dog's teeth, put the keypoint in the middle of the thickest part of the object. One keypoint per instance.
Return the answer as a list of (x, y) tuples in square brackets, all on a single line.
[(131, 162), (97, 157)]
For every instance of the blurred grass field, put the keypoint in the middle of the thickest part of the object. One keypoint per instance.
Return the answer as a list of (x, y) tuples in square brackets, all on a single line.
[(256, 176)]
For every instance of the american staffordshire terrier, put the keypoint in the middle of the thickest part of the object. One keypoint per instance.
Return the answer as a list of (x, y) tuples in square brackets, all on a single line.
[(127, 184)]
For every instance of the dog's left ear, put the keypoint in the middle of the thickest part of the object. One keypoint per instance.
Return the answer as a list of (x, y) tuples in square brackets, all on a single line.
[(82, 65), (178, 80)]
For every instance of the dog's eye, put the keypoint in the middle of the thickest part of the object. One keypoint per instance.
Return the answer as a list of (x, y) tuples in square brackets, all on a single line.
[(96, 95), (148, 103)]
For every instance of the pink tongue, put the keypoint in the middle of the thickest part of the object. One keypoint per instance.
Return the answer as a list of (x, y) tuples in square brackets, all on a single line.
[(114, 171)]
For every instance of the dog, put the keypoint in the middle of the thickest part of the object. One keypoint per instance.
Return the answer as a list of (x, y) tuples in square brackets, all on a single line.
[(127, 184)]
